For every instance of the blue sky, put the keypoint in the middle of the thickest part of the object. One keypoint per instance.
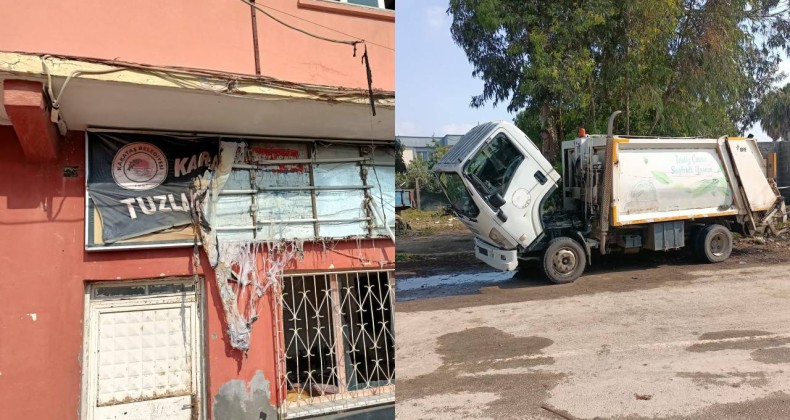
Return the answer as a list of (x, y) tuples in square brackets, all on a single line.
[(433, 78)]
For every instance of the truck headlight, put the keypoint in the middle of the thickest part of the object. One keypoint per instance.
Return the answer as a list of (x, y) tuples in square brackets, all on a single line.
[(497, 237)]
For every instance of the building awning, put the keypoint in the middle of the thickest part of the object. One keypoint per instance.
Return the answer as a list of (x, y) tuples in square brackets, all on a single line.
[(133, 96)]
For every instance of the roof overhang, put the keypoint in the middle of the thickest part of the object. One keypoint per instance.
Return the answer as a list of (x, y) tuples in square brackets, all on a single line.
[(134, 96)]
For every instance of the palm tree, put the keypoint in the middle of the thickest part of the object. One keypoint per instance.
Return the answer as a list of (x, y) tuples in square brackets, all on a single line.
[(774, 113)]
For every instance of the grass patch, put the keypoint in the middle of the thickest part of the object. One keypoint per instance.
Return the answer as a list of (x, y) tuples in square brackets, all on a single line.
[(430, 222), (403, 257)]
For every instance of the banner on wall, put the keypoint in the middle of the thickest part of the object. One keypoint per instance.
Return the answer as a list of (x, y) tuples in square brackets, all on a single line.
[(140, 183)]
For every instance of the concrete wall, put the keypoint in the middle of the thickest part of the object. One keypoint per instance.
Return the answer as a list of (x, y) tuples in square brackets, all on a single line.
[(782, 150), (45, 269), (209, 34)]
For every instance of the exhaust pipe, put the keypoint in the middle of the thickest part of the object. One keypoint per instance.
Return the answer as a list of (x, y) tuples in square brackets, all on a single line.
[(610, 126), (606, 202)]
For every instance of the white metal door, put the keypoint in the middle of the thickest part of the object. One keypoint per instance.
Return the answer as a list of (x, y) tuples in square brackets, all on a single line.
[(143, 359)]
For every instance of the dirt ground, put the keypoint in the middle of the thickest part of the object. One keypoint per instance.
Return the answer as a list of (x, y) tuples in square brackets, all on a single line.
[(651, 335)]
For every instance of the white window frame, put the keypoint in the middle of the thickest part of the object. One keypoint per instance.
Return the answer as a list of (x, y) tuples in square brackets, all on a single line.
[(381, 5)]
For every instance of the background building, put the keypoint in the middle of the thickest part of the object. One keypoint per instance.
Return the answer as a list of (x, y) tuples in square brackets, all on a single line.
[(423, 147)]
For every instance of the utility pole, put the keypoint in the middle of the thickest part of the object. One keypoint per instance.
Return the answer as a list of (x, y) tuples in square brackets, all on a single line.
[(255, 39)]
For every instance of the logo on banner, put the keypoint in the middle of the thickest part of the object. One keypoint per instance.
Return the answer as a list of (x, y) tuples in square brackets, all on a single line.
[(139, 167)]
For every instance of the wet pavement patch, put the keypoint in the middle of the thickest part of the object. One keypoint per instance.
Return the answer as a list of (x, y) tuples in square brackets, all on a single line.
[(772, 407), (499, 345), (722, 335), (730, 379), (410, 288), (751, 340), (772, 355), (463, 363)]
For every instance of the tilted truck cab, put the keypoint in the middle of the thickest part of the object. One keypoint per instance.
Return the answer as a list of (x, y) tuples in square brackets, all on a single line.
[(618, 195), (496, 180)]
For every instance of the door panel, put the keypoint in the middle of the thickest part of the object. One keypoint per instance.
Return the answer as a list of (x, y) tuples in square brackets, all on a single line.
[(176, 408), (143, 357), (144, 354)]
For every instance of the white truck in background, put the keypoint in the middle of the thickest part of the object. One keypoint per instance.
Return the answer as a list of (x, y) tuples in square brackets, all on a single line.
[(619, 194)]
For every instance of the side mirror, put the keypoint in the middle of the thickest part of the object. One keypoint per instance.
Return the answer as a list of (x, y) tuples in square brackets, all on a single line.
[(496, 200)]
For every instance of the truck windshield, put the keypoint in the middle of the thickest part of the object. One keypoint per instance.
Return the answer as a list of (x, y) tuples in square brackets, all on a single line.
[(459, 197), (492, 168)]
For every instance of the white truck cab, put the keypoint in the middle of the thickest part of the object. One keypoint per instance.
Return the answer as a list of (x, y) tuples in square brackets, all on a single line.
[(496, 180)]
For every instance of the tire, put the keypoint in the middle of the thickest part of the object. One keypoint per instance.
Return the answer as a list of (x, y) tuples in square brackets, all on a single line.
[(713, 244), (564, 260)]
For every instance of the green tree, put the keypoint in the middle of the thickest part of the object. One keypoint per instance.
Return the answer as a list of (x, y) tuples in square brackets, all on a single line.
[(418, 170), (774, 112), (438, 152), (400, 165), (675, 67)]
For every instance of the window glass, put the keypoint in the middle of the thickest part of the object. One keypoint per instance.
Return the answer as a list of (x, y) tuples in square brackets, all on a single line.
[(492, 168), (458, 195), (381, 177), (158, 289), (284, 193), (338, 209), (317, 192), (119, 291), (371, 3)]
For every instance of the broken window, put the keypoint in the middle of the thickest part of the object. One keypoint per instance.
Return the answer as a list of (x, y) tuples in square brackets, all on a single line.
[(338, 340), (307, 190), (269, 198)]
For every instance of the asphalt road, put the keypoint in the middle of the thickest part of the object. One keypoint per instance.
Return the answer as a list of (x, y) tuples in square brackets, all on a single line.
[(639, 338)]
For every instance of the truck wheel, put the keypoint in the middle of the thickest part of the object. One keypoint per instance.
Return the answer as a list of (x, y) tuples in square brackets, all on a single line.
[(564, 260), (714, 243)]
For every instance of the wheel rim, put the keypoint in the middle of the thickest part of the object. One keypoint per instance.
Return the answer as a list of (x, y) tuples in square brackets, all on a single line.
[(564, 261), (718, 244)]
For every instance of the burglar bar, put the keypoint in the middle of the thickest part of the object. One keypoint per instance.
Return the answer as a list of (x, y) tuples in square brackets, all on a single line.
[(296, 161), (301, 188), (338, 341), (289, 221)]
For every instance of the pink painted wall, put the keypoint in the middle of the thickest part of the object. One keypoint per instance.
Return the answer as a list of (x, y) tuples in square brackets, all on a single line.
[(44, 270), (208, 34)]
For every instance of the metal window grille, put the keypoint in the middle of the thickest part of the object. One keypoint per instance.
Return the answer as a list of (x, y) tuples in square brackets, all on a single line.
[(338, 349), (306, 191)]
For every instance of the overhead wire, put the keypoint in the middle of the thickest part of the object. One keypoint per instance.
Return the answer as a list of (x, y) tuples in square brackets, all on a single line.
[(320, 25), (353, 43), (287, 25)]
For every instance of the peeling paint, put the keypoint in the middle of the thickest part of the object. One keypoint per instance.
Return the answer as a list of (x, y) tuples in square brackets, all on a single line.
[(237, 400), (32, 316)]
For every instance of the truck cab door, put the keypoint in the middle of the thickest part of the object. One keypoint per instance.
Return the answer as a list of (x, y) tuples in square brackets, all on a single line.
[(513, 178)]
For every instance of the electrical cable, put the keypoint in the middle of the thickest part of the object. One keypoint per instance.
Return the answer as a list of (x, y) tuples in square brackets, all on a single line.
[(323, 38), (325, 27)]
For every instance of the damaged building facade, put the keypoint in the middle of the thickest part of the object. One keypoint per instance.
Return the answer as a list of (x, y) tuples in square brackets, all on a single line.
[(196, 201)]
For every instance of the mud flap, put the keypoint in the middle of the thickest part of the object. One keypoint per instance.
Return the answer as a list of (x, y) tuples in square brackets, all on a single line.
[(586, 247)]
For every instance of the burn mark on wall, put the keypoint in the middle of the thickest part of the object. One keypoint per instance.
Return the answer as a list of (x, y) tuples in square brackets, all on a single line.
[(237, 400)]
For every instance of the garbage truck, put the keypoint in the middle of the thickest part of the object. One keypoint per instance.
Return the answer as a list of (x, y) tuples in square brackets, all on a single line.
[(619, 194)]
